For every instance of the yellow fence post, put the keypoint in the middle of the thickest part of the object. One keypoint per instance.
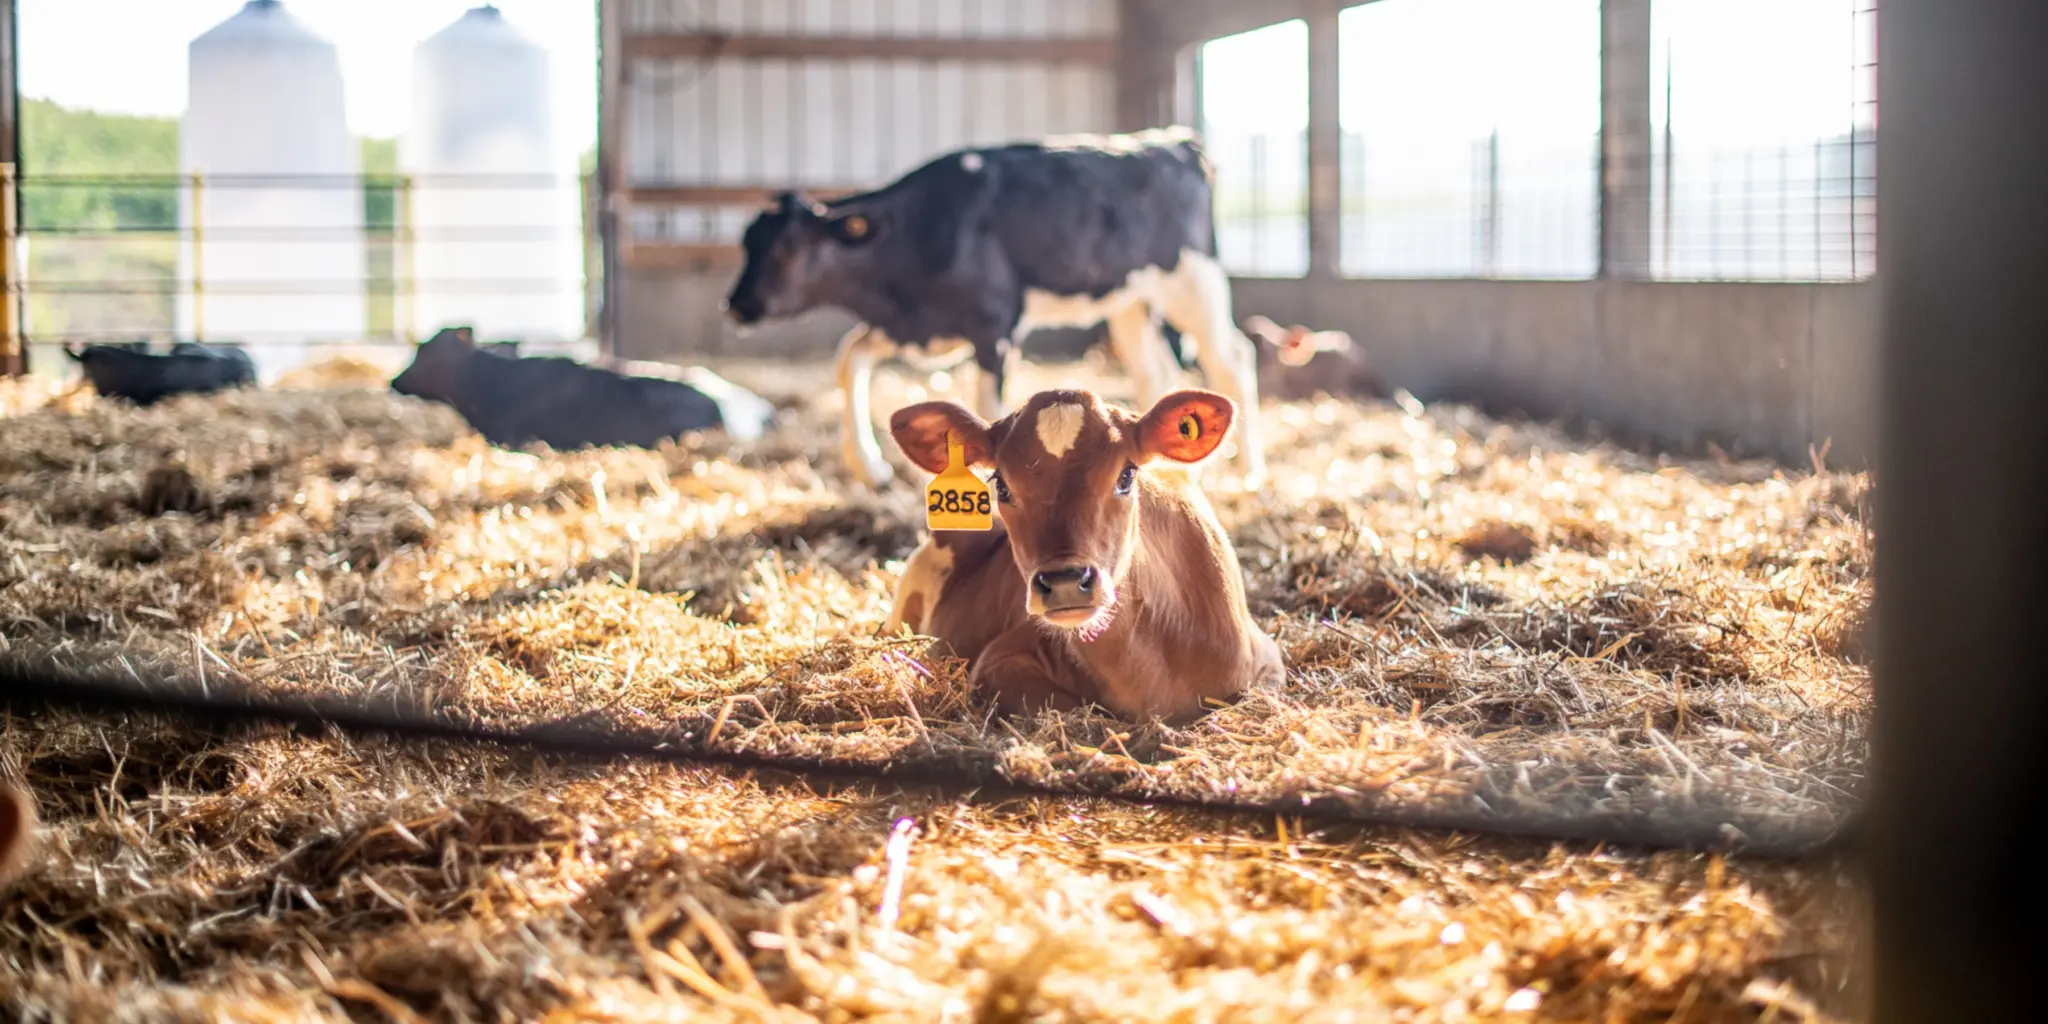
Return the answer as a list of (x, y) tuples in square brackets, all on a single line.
[(408, 267), (12, 294), (198, 181)]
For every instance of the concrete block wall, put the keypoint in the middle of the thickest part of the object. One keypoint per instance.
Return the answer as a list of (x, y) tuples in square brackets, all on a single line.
[(1769, 369)]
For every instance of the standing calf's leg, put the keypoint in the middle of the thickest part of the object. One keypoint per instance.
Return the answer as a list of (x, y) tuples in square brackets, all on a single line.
[(1200, 309), (1135, 338), (995, 361), (859, 351)]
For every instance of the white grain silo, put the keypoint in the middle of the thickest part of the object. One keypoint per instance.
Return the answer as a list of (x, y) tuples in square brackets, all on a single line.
[(496, 208), (281, 204)]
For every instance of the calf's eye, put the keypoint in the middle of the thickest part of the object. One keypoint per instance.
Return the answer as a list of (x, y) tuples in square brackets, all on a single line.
[(1127, 479), (1002, 489)]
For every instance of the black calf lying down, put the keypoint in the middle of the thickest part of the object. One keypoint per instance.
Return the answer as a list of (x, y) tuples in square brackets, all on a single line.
[(516, 403), (124, 371)]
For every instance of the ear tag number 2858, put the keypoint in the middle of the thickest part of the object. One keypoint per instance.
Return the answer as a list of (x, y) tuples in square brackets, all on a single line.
[(956, 499)]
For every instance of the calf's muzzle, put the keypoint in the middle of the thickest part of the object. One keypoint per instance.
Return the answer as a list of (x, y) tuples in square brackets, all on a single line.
[(1068, 594)]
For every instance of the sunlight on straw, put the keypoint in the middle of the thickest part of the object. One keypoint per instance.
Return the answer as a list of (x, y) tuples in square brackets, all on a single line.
[(897, 853)]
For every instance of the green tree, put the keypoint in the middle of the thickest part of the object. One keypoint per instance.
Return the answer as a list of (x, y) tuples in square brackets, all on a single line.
[(380, 244), (100, 255)]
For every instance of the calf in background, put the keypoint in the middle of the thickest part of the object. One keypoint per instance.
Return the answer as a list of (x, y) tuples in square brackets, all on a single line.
[(1296, 363), (518, 402), (124, 371), (978, 247), (744, 414), (1106, 578)]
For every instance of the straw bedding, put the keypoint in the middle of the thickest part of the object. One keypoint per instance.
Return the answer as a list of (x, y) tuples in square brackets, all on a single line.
[(1486, 622)]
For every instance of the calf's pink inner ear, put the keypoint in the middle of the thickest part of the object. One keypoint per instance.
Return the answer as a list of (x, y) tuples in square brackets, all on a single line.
[(1186, 426), (1299, 347), (922, 430)]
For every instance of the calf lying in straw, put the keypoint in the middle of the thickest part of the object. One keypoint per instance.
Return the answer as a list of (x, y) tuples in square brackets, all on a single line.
[(1297, 363), (17, 827), (517, 402), (125, 371), (1106, 578)]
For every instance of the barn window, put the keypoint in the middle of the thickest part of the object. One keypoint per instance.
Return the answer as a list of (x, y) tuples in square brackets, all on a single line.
[(1764, 116), (1254, 89), (1470, 138)]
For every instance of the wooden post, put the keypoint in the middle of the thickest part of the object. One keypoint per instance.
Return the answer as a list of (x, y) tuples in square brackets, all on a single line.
[(404, 308), (11, 292), (198, 183), (13, 356)]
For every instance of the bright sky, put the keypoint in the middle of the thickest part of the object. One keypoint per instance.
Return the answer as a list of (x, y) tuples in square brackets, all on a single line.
[(1747, 70), (129, 55)]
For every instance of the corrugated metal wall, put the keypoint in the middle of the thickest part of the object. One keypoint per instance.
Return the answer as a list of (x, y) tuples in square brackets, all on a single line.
[(742, 121), (822, 122)]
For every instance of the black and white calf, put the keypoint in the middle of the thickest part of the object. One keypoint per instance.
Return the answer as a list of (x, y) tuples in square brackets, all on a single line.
[(979, 247)]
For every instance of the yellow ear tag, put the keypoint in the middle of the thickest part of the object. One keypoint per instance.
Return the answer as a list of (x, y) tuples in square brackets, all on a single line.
[(1191, 427), (957, 499)]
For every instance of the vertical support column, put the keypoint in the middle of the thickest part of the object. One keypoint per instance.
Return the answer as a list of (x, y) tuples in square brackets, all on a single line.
[(1625, 140), (1184, 104), (1960, 783), (406, 301), (1325, 144), (198, 185), (1153, 73), (11, 278), (13, 356), (613, 200)]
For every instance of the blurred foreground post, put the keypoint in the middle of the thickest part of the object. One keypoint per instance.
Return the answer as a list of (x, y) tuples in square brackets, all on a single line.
[(1959, 838)]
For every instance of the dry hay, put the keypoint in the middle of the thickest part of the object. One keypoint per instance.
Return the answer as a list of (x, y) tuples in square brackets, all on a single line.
[(1484, 621), (351, 370)]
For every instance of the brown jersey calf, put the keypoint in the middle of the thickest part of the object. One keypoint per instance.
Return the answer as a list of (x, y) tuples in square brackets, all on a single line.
[(1106, 578), (17, 827)]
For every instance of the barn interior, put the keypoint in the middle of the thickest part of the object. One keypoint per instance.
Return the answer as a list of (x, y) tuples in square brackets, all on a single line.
[(1574, 619)]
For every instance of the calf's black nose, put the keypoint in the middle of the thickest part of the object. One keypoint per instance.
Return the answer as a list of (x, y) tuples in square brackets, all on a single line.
[(1081, 578)]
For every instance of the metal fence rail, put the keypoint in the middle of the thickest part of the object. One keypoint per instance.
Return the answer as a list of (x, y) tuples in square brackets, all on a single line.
[(156, 257)]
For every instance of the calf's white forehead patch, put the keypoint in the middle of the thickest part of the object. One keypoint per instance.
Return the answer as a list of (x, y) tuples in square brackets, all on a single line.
[(1059, 426), (970, 162)]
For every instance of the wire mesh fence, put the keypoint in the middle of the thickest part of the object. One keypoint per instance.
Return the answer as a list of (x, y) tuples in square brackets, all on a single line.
[(1769, 213), (290, 264), (1261, 203), (1764, 146), (1500, 206), (1471, 146)]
